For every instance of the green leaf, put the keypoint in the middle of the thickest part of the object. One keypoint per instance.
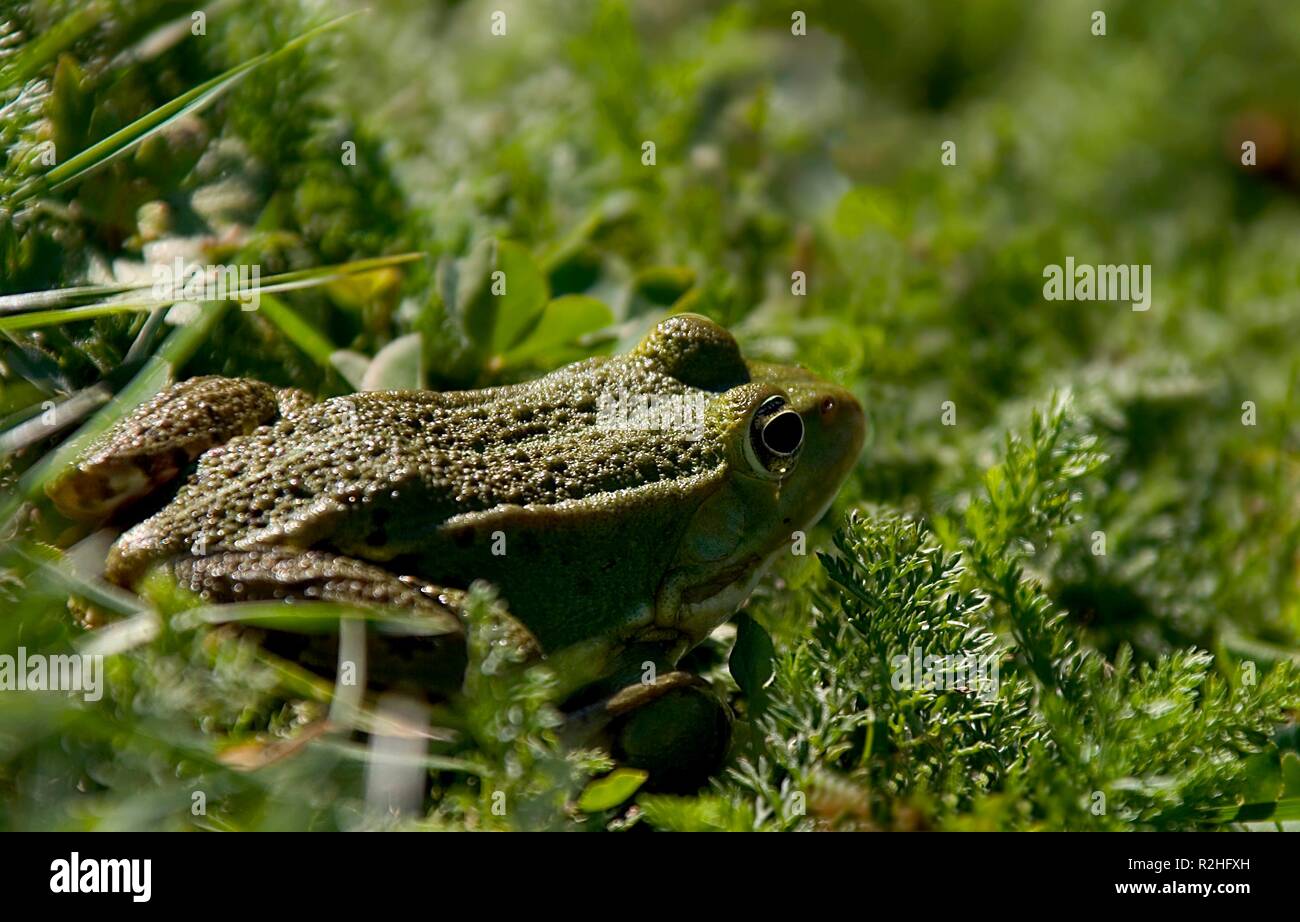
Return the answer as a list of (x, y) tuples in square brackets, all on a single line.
[(662, 286), (397, 366), (70, 106), (352, 365), (563, 322), (1262, 779), (610, 791), (466, 287), (499, 292), (525, 296), (751, 656), (1273, 812)]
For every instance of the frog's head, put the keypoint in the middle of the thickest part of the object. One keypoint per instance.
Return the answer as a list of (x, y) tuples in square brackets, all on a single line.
[(789, 439)]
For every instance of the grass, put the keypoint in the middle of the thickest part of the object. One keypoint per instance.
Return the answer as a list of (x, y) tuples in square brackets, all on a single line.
[(1102, 499)]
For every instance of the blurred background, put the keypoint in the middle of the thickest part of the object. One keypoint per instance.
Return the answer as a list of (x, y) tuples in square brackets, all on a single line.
[(774, 153)]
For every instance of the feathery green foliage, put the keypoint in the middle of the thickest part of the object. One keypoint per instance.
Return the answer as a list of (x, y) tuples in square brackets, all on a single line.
[(1069, 740)]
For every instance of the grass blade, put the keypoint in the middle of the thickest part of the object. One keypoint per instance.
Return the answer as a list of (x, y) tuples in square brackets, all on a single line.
[(46, 47), (315, 618), (57, 297), (97, 155), (23, 318), (298, 331), (1272, 812), (157, 371)]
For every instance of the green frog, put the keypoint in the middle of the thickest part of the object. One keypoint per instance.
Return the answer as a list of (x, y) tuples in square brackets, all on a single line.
[(626, 536)]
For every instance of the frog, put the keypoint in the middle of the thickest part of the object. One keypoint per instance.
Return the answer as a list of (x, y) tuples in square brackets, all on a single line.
[(618, 541)]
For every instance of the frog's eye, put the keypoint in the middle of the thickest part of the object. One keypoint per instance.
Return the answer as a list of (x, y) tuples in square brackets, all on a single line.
[(775, 437)]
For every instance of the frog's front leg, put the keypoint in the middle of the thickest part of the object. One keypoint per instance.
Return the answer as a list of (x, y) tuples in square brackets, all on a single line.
[(155, 442), (680, 737), (674, 726)]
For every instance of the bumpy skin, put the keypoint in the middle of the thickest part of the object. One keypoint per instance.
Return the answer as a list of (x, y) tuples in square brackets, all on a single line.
[(640, 540), (162, 436)]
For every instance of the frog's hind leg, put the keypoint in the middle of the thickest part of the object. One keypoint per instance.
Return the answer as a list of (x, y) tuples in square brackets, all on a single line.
[(424, 652), (267, 573), (155, 442)]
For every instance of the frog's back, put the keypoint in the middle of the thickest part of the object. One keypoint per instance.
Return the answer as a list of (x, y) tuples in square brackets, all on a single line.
[(379, 475)]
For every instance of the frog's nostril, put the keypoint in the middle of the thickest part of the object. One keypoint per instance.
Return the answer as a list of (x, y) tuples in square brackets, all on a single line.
[(828, 405)]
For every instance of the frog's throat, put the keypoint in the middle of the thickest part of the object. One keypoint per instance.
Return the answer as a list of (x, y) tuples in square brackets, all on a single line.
[(699, 619), (702, 608), (686, 614)]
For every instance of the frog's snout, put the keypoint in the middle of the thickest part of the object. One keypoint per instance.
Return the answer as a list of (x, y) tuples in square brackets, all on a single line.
[(837, 425)]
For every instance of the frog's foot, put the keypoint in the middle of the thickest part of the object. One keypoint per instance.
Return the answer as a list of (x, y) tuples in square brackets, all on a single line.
[(676, 728), (154, 443)]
